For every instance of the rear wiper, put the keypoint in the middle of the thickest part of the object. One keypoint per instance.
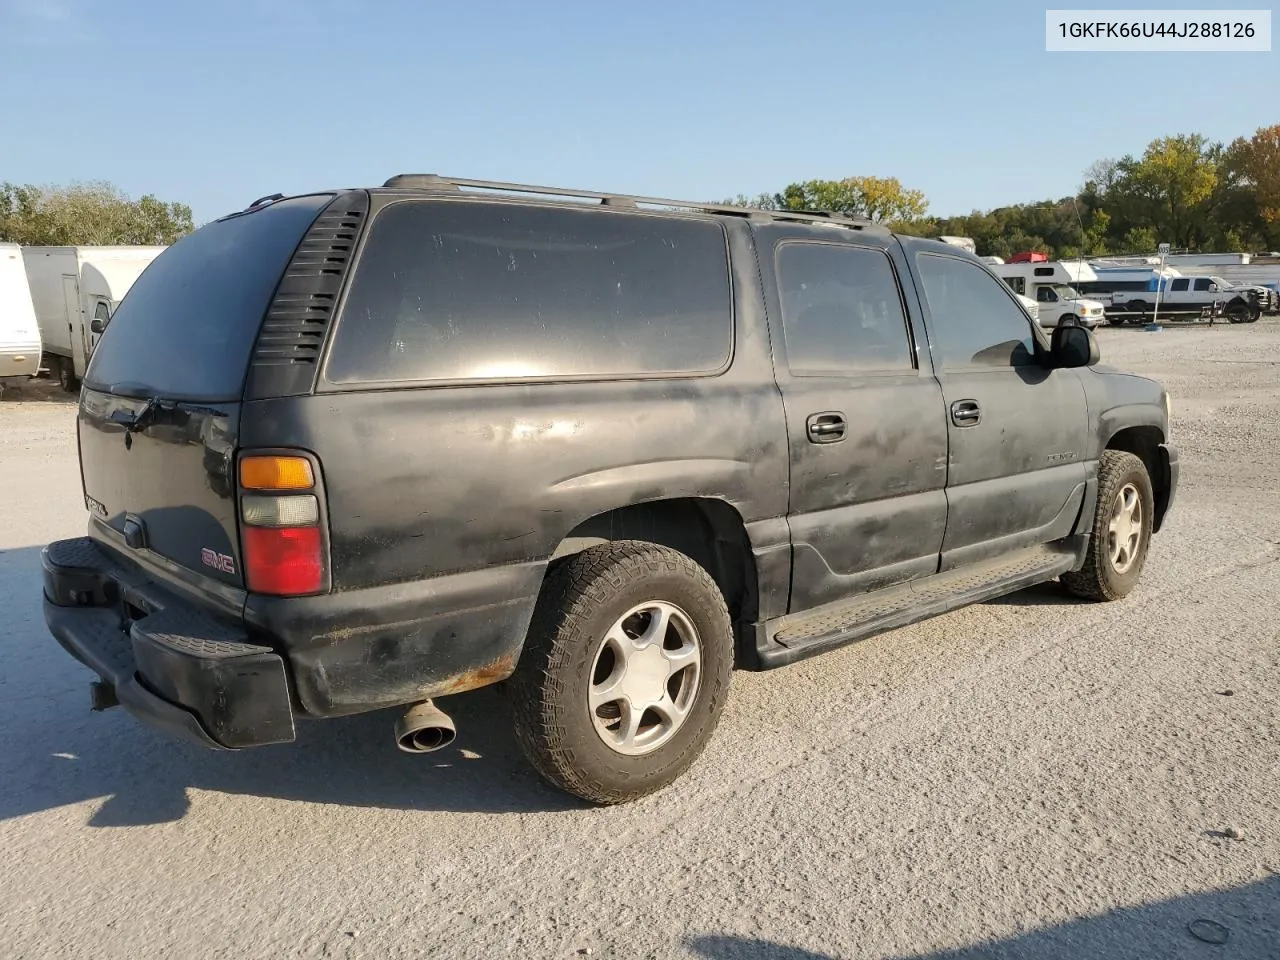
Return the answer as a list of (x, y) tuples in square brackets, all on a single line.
[(133, 420)]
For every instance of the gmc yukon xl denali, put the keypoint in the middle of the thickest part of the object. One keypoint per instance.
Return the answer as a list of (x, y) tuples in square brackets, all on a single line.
[(367, 448)]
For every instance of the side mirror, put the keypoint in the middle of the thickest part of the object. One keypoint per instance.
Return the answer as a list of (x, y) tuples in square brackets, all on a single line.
[(97, 325), (1074, 346)]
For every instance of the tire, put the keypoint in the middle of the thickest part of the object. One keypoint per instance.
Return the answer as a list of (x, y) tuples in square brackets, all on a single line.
[(67, 379), (567, 655), (1101, 577), (1068, 320), (1116, 321)]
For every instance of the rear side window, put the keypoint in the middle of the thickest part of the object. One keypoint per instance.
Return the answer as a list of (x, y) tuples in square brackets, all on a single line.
[(1179, 285), (976, 323), (187, 326), (841, 310), (456, 291)]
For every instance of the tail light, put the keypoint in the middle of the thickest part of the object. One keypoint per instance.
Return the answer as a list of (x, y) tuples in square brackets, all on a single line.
[(284, 549)]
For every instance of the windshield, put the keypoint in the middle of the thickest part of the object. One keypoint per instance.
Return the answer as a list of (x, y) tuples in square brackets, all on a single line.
[(1065, 292)]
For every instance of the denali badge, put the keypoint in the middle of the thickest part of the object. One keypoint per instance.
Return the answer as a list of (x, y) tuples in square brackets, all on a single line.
[(218, 561)]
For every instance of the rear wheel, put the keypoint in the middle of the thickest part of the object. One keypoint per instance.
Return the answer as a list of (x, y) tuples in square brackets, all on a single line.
[(624, 673), (67, 378), (1121, 530)]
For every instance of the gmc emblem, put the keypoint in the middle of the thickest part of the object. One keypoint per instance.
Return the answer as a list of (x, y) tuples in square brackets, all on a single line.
[(218, 561)]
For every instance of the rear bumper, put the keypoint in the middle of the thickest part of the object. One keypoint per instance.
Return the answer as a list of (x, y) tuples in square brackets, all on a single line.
[(170, 664), (233, 682)]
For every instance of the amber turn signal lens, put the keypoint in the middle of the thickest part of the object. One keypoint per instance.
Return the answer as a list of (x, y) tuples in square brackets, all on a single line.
[(276, 473)]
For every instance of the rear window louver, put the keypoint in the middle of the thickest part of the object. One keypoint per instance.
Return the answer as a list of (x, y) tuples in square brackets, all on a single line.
[(287, 351)]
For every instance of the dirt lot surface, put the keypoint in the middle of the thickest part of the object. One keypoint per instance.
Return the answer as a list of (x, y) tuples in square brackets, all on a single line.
[(1032, 777)]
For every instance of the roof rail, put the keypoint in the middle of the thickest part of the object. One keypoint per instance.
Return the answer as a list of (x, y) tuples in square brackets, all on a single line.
[(436, 183)]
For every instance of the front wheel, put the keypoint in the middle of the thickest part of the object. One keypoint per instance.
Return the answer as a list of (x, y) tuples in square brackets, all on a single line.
[(1122, 524), (624, 673)]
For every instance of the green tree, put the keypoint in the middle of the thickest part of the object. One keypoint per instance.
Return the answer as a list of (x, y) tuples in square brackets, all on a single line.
[(1140, 240), (761, 201), (1170, 188), (88, 213), (875, 198)]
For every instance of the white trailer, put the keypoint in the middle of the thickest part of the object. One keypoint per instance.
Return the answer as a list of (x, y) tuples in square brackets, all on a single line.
[(19, 332), (75, 291)]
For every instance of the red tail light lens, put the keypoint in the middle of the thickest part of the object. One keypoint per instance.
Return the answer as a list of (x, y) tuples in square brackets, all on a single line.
[(284, 561)]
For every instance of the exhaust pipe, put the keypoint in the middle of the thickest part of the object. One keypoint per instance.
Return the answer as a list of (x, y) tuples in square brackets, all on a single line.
[(424, 728)]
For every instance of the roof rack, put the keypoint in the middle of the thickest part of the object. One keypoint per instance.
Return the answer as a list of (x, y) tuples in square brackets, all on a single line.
[(439, 184)]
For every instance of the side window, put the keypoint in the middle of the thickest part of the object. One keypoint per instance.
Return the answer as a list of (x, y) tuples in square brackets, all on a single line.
[(100, 312), (976, 323), (1202, 283), (1179, 286), (841, 310), (1017, 285), (457, 290), (1046, 295)]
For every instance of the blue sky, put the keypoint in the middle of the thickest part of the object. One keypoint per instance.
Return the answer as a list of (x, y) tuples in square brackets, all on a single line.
[(216, 103)]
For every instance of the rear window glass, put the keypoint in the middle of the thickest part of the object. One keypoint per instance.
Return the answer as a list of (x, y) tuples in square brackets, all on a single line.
[(449, 291), (187, 326)]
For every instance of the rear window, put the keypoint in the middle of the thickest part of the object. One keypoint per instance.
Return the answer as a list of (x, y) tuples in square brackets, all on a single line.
[(187, 326), (457, 291)]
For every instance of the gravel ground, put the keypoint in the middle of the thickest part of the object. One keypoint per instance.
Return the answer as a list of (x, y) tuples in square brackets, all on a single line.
[(1032, 777)]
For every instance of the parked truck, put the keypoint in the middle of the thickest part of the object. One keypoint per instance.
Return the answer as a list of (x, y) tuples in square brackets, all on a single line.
[(75, 291), (19, 333)]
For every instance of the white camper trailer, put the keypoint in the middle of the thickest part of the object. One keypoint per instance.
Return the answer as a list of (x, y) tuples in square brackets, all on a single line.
[(1052, 285), (75, 291), (19, 332)]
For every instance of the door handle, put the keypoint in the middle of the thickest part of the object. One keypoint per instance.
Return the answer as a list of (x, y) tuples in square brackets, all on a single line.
[(828, 427), (966, 413)]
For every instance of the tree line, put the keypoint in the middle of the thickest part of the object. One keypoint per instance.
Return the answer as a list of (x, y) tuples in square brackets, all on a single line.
[(1184, 190), (89, 214)]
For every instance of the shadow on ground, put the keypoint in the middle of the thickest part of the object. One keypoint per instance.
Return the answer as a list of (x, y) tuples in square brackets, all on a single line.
[(1247, 916), (1051, 594), (55, 751), (41, 390)]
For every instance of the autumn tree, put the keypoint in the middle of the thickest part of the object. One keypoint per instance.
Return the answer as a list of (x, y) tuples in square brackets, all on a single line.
[(88, 213), (1254, 166)]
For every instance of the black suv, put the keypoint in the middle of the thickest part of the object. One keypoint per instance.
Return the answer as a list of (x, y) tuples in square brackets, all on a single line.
[(364, 448)]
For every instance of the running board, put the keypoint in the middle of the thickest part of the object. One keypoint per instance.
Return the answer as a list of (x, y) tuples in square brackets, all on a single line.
[(798, 636)]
